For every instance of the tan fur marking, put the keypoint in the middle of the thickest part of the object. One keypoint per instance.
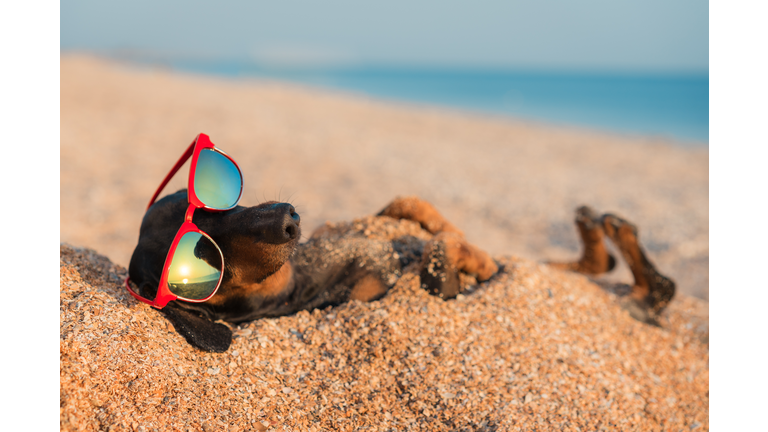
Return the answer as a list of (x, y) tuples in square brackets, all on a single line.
[(626, 240), (418, 210), (567, 266), (271, 286), (276, 283), (465, 257), (595, 258), (367, 289), (631, 252)]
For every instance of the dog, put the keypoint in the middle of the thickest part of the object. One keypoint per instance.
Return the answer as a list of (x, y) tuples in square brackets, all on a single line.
[(269, 273)]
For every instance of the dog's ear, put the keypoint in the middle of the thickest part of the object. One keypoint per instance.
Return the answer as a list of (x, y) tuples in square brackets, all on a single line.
[(199, 331)]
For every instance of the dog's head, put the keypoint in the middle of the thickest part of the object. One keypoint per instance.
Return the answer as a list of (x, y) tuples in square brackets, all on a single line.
[(256, 242)]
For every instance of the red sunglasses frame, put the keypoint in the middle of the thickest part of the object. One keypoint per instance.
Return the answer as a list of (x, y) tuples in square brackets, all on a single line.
[(164, 294)]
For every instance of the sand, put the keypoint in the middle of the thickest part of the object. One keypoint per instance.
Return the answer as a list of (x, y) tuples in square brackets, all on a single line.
[(532, 348)]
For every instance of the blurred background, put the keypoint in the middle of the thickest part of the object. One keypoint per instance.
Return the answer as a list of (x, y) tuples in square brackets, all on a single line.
[(506, 115), (634, 67)]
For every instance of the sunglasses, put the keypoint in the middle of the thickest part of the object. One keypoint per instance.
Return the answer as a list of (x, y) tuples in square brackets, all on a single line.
[(194, 265)]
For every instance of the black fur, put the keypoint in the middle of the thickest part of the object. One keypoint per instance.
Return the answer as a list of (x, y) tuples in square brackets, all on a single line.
[(198, 330)]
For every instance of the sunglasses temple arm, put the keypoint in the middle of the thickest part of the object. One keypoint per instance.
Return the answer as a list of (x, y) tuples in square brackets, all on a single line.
[(170, 175), (135, 294)]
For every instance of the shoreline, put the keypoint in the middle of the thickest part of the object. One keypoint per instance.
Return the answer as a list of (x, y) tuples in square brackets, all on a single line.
[(523, 90)]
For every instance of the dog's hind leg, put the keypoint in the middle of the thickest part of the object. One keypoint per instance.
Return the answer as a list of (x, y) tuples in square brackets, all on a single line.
[(445, 255), (418, 210), (652, 291), (595, 258)]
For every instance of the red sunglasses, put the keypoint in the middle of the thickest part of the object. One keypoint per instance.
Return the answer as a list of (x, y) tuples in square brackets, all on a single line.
[(194, 265)]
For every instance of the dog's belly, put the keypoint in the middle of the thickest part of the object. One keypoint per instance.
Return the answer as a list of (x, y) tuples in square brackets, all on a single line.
[(339, 259)]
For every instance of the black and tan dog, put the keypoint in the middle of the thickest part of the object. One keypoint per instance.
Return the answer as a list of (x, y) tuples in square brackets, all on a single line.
[(268, 273)]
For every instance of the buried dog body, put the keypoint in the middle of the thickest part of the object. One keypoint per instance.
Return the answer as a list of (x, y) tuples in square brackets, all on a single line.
[(268, 273), (238, 264)]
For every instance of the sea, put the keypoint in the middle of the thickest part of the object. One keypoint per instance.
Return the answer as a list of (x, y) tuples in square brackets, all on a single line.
[(667, 106)]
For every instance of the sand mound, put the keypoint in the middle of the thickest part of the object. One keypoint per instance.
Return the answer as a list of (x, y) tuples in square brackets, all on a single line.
[(532, 348)]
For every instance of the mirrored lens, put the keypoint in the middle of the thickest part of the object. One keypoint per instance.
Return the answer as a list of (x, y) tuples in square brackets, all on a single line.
[(195, 268), (217, 180)]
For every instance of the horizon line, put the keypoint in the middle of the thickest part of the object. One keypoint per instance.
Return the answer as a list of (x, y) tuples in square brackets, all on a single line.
[(159, 58)]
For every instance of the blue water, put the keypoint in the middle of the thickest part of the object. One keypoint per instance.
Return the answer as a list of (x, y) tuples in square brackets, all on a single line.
[(671, 106)]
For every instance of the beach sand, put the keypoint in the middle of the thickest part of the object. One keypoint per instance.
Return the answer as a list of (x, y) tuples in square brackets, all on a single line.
[(534, 347)]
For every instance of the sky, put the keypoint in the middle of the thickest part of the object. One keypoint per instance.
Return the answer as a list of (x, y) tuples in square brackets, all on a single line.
[(579, 35)]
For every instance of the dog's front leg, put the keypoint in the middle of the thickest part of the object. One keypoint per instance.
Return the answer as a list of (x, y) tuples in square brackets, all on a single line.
[(418, 210), (445, 255)]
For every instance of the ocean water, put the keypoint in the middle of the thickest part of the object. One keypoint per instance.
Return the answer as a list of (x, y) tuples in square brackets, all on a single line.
[(669, 106)]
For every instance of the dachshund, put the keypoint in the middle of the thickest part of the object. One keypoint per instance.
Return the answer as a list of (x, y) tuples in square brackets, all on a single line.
[(268, 272)]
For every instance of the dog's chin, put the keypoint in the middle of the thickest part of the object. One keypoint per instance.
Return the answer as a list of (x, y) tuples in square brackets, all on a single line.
[(248, 262), (278, 256)]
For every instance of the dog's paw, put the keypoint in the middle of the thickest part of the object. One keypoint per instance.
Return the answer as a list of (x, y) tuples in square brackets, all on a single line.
[(440, 281)]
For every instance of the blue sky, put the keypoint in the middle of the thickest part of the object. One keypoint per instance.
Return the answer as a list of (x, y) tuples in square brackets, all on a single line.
[(594, 35)]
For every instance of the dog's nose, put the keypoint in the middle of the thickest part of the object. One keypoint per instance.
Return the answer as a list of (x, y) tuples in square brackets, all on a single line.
[(274, 223), (288, 225), (291, 222)]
